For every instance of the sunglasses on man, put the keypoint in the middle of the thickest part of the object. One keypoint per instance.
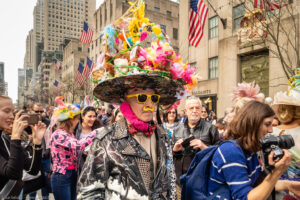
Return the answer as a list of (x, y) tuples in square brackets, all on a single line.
[(143, 98), (38, 111)]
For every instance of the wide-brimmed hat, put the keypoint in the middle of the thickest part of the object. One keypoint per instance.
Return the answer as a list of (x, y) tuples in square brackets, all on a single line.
[(292, 96), (129, 61)]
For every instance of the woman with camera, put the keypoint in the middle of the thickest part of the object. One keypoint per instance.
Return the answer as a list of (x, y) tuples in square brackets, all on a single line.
[(13, 159), (64, 151), (235, 164)]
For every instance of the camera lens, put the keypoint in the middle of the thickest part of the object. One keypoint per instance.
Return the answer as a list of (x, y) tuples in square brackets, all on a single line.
[(285, 141)]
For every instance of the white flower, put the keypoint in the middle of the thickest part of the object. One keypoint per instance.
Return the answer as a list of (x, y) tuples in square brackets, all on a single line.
[(181, 94)]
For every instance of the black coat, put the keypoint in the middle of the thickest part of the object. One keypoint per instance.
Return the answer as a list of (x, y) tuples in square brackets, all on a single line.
[(204, 131), (13, 160), (118, 167)]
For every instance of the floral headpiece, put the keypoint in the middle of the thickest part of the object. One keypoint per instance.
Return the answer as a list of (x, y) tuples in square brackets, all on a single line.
[(292, 96), (129, 61), (65, 111)]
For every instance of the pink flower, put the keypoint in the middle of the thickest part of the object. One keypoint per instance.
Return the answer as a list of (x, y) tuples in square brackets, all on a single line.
[(174, 106), (187, 74), (176, 70)]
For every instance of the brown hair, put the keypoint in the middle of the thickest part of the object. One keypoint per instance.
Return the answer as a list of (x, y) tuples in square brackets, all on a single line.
[(67, 124), (246, 124)]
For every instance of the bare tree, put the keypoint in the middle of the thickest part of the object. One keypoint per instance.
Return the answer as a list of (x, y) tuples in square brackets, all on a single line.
[(282, 31)]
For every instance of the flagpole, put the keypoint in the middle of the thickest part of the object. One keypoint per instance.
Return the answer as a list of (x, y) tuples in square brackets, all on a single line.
[(223, 21)]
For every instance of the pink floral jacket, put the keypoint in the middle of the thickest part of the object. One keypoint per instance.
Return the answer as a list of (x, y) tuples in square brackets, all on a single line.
[(64, 147)]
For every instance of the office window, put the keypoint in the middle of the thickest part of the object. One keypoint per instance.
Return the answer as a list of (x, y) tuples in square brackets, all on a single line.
[(156, 9), (111, 9), (213, 68), (175, 33), (82, 61), (163, 28), (238, 13), (213, 27)]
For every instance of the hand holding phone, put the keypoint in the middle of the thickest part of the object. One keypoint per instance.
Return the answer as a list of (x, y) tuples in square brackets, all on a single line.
[(32, 118)]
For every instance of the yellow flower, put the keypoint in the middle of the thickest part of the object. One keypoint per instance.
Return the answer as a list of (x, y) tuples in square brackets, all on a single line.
[(71, 115)]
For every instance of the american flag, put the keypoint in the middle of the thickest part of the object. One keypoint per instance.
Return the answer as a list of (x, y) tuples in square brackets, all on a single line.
[(44, 77), (87, 34), (57, 86), (198, 14), (269, 4), (89, 67), (80, 77), (57, 64)]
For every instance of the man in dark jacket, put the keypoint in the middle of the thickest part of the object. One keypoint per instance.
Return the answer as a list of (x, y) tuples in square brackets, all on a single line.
[(201, 134)]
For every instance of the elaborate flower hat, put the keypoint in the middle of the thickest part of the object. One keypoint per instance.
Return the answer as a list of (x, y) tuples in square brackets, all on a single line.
[(292, 96), (128, 62), (65, 111)]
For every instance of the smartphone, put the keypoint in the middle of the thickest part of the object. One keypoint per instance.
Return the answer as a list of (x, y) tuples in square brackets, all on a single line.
[(186, 142), (32, 119)]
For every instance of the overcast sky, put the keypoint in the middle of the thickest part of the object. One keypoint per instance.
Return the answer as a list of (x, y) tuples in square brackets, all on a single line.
[(16, 20)]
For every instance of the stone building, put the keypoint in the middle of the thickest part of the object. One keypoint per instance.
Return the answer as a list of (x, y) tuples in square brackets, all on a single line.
[(49, 73), (74, 52), (2, 80), (223, 61), (162, 12)]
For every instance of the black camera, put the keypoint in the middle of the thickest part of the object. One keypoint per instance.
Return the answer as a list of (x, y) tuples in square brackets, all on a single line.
[(186, 142), (271, 143)]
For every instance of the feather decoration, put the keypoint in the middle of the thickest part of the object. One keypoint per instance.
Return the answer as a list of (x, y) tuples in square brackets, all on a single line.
[(250, 90)]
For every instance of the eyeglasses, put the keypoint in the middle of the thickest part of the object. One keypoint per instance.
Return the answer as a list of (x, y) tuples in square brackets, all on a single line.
[(38, 111), (172, 112), (143, 98)]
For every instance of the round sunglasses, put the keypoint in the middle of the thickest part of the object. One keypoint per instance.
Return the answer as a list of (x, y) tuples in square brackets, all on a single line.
[(143, 98)]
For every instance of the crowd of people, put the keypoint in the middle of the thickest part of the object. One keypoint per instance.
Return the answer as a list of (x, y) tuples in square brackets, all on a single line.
[(85, 159), (136, 143)]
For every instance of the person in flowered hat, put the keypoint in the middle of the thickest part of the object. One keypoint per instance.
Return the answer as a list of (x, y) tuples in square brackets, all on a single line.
[(64, 147), (132, 158), (287, 109)]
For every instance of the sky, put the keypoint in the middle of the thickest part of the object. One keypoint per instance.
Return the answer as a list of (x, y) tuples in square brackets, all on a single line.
[(16, 20)]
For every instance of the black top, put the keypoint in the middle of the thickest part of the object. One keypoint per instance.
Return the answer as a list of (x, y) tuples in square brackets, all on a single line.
[(13, 160)]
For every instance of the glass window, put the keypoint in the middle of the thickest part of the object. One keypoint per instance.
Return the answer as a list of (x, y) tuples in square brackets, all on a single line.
[(82, 61), (238, 13), (156, 9), (213, 68), (163, 28), (169, 13), (111, 10), (175, 33), (213, 27)]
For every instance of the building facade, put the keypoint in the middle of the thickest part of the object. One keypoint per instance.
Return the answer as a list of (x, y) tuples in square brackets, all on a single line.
[(65, 19), (162, 12), (222, 61), (2, 80), (29, 51), (74, 52)]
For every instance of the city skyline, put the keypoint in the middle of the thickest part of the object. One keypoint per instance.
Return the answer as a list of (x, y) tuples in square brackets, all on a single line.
[(17, 18)]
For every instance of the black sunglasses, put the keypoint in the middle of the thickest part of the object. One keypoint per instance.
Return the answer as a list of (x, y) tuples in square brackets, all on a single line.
[(38, 111)]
